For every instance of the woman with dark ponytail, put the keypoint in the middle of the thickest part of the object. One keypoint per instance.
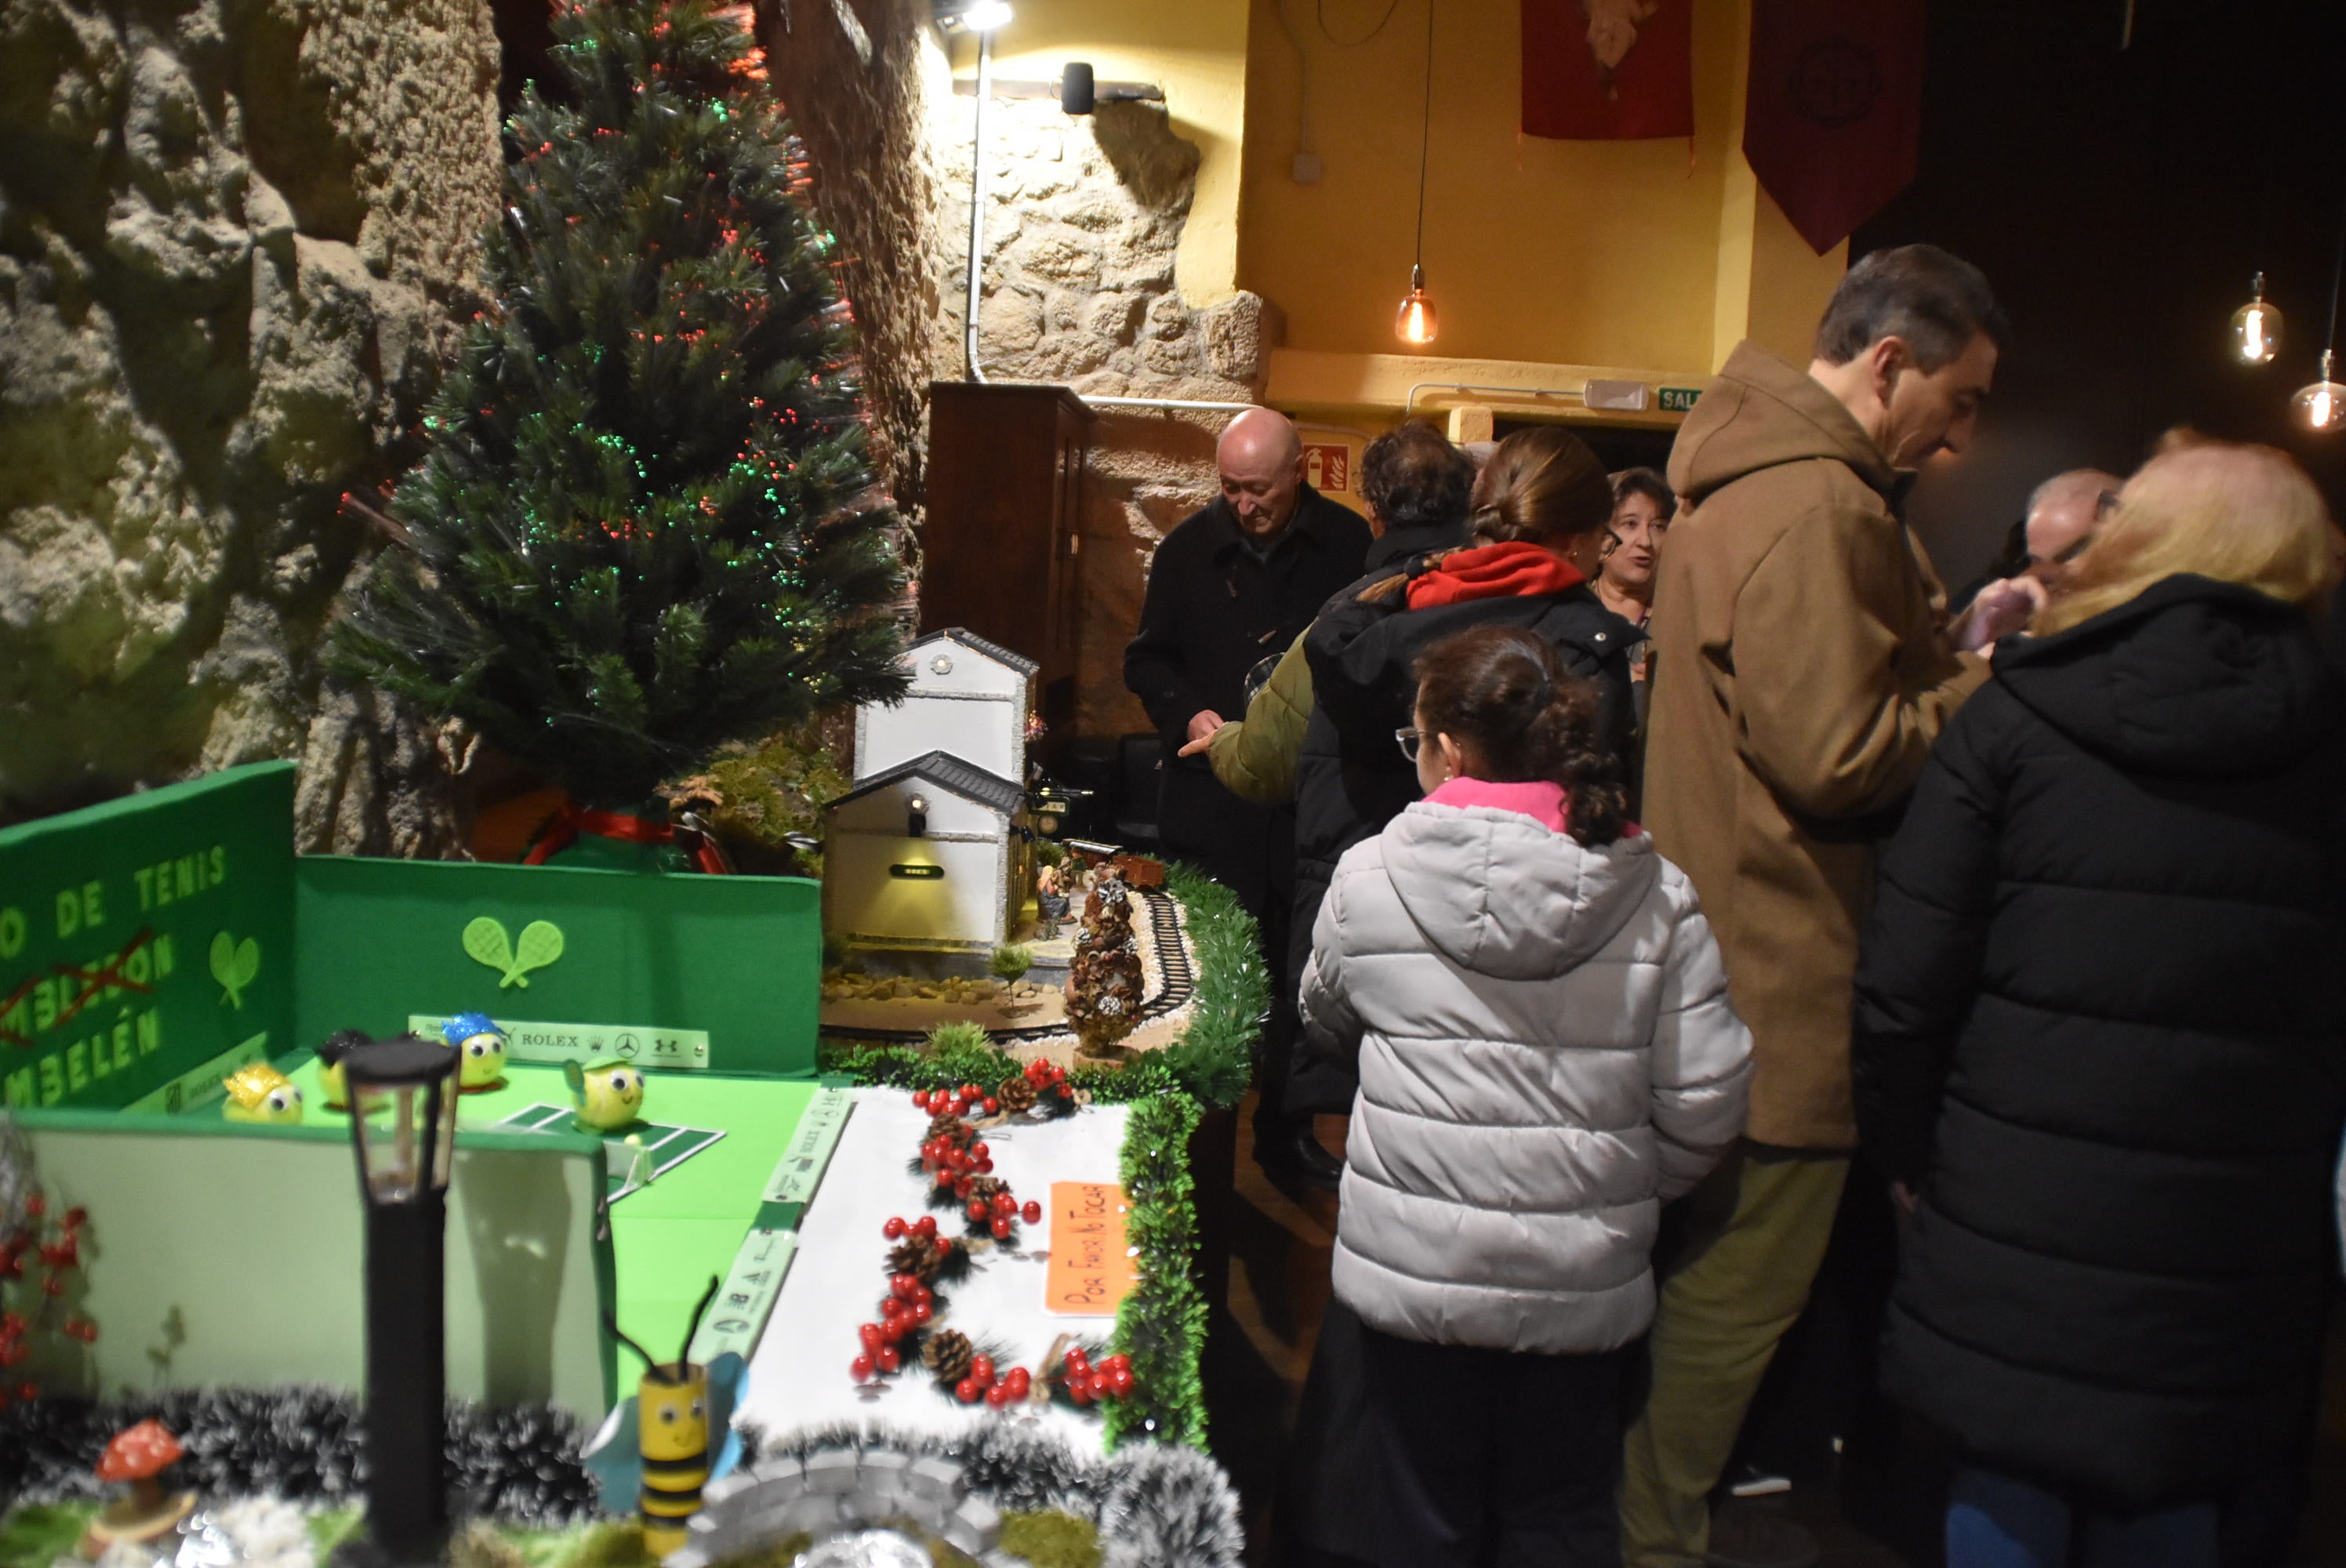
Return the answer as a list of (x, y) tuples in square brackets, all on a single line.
[(1546, 1054)]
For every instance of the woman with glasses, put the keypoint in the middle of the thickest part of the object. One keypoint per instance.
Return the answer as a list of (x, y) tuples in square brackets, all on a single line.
[(2101, 1031)]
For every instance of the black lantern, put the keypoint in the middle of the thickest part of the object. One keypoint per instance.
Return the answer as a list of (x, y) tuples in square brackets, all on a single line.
[(403, 1128)]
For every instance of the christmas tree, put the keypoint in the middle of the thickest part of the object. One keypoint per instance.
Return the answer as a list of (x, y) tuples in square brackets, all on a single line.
[(645, 526)]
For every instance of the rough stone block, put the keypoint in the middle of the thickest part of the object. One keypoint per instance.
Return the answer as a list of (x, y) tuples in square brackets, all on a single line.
[(974, 1527), (937, 1478), (837, 1471)]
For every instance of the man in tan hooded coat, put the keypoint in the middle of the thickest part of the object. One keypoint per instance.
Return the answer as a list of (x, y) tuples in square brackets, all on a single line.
[(1802, 668)]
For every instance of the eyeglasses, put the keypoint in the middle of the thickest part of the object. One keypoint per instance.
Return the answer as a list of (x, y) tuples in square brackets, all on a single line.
[(1408, 740)]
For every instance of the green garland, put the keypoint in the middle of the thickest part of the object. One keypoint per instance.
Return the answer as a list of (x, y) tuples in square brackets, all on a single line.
[(1162, 1324)]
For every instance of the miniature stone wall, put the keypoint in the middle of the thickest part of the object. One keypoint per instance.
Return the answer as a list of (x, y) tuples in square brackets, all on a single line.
[(236, 240), (1085, 214)]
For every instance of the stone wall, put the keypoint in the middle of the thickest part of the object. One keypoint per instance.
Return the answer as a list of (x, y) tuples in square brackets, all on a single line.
[(236, 241), (1084, 217)]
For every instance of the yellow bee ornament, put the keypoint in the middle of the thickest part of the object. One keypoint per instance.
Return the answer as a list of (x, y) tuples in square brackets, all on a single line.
[(657, 1450), (609, 1094), (258, 1092)]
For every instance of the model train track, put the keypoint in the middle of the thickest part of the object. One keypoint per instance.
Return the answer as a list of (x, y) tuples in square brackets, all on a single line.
[(1177, 983)]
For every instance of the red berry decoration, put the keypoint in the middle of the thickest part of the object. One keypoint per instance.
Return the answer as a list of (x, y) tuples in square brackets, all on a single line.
[(889, 1358), (869, 1334), (992, 1104), (1032, 1213), (921, 1312), (979, 1149), (893, 1230), (927, 1224), (36, 1206), (998, 1396), (966, 1391), (75, 1218), (1004, 1204), (1001, 1227), (892, 1330), (890, 1308), (1019, 1383), (862, 1369), (982, 1369), (1120, 1379), (977, 1210)]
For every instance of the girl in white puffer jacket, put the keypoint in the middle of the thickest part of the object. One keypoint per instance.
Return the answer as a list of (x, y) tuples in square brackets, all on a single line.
[(1546, 1054)]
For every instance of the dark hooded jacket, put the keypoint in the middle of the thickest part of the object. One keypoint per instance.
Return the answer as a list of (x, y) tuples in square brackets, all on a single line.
[(2101, 1022), (1351, 778)]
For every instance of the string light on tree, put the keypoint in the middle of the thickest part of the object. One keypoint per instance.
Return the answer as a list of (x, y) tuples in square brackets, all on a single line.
[(2256, 327)]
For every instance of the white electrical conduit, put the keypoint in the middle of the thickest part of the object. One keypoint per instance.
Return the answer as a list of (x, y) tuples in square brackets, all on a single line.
[(977, 200)]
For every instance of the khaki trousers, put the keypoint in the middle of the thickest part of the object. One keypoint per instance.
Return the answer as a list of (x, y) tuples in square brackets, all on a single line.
[(1755, 1234)]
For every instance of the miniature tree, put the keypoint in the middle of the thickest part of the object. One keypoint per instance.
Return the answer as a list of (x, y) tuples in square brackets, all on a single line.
[(1104, 981), (40, 1255), (645, 524), (1011, 961)]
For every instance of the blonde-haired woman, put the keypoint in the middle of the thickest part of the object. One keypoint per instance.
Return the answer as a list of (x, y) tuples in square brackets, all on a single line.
[(2101, 1031)]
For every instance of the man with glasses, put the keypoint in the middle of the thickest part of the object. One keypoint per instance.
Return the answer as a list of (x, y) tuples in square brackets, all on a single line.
[(2062, 512)]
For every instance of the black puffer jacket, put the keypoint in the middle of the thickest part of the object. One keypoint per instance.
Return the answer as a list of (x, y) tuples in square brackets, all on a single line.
[(2101, 1019), (1351, 778)]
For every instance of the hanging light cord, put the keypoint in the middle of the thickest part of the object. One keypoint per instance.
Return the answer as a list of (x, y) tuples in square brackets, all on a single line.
[(1425, 139), (2336, 272)]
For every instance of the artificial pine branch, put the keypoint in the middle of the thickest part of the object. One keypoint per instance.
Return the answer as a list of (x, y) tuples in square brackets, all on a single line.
[(646, 526)]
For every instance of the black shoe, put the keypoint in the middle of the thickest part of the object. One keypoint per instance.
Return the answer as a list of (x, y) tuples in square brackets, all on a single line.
[(1290, 1149)]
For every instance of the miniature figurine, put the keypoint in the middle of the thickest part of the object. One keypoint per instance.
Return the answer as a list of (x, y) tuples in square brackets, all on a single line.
[(653, 1450), (258, 1092), (609, 1094), (480, 1049), (138, 1455), (331, 1084)]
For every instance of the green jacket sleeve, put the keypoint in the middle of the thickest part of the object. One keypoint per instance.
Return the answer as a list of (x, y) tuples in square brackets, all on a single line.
[(1255, 758)]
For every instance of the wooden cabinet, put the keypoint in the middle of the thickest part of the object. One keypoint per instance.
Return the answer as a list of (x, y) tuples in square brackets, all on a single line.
[(1000, 550)]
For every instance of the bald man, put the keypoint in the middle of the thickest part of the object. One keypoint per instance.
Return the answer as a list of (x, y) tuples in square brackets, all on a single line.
[(2062, 512), (1232, 585)]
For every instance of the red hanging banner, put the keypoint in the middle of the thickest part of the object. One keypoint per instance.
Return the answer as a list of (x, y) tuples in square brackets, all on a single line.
[(1609, 70), (1834, 117)]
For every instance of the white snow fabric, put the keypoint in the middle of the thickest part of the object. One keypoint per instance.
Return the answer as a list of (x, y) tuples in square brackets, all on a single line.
[(1546, 1053)]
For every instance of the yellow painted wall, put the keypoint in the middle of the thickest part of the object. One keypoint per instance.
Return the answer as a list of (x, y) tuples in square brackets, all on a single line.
[(1195, 50), (1595, 253)]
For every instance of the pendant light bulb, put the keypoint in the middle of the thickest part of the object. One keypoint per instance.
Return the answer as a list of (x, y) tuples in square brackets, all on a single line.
[(1415, 320), (2256, 327), (2320, 407)]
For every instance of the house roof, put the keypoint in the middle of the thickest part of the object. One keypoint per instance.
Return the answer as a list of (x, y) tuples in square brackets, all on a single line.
[(976, 643), (947, 771)]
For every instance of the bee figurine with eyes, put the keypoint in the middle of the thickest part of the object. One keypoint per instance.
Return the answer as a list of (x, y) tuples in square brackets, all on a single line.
[(258, 1092), (609, 1094), (653, 1452), (480, 1052)]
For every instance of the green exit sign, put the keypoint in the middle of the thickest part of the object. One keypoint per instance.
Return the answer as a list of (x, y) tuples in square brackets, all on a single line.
[(1677, 399)]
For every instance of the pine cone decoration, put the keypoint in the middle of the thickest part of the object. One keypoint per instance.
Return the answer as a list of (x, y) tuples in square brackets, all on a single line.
[(947, 1355), (918, 1255), (983, 1188), (1015, 1094), (951, 1128)]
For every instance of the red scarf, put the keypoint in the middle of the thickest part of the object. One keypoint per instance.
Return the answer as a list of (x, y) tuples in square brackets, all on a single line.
[(1512, 570)]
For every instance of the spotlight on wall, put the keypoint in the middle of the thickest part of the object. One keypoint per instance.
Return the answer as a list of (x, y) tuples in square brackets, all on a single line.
[(970, 16), (916, 817)]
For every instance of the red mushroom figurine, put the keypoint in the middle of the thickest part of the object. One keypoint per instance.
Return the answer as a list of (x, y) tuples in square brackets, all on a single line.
[(138, 1455)]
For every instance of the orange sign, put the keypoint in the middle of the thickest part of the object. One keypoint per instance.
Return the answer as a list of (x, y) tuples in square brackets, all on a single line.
[(1091, 1269), (1328, 465)]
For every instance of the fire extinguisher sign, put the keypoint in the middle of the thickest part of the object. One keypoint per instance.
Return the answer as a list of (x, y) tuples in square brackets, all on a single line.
[(1328, 465)]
